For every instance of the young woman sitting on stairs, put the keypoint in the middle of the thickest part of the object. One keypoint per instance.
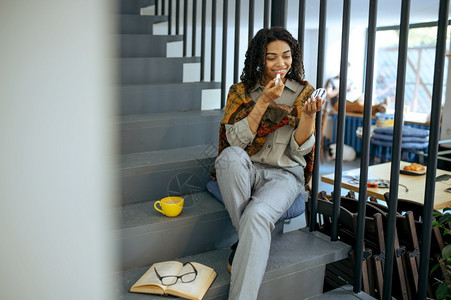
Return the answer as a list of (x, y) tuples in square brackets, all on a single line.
[(265, 150)]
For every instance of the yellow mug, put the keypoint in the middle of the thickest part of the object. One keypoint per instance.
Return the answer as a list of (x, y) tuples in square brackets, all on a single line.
[(170, 206)]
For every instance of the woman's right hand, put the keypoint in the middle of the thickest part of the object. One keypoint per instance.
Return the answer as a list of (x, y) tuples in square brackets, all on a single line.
[(272, 91)]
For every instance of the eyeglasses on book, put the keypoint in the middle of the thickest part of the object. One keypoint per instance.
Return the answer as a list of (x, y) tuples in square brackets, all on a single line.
[(172, 279)]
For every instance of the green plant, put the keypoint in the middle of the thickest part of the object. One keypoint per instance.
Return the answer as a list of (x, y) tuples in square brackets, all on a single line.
[(442, 221)]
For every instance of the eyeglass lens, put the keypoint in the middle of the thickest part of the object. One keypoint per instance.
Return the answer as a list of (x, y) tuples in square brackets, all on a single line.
[(185, 278)]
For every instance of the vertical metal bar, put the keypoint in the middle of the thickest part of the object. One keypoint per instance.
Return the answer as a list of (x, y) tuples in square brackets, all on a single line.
[(213, 41), (194, 22), (202, 41), (157, 7), (318, 121), (163, 7), (433, 148), (225, 9), (237, 41), (266, 14), (251, 19), (279, 13), (364, 160), (341, 116), (301, 27), (185, 28), (396, 148), (170, 17), (177, 17)]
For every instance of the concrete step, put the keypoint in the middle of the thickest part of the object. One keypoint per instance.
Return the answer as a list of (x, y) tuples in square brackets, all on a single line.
[(144, 45), (162, 28), (153, 70), (150, 176), (133, 7), (295, 268), (168, 97), (343, 293), (143, 133), (146, 236), (138, 24)]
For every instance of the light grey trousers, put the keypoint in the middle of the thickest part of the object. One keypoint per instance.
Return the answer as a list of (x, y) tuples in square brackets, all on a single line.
[(255, 196)]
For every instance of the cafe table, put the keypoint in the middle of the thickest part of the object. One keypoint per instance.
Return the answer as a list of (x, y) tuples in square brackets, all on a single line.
[(411, 185)]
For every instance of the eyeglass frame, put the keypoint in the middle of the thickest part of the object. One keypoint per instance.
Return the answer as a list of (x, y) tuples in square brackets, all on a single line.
[(177, 276)]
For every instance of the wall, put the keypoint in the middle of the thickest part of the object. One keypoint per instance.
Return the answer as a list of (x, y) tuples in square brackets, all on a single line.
[(57, 133)]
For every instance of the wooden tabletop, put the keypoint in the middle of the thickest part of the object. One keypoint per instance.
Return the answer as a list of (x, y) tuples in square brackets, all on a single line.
[(411, 187)]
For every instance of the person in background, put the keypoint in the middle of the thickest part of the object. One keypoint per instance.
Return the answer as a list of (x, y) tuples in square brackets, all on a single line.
[(265, 158), (354, 97)]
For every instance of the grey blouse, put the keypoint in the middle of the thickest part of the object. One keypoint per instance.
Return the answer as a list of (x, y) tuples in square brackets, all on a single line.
[(280, 149)]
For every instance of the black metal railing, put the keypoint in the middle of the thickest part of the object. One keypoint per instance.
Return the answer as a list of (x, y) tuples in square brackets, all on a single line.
[(396, 148), (364, 160), (278, 17), (225, 9), (319, 81), (433, 146)]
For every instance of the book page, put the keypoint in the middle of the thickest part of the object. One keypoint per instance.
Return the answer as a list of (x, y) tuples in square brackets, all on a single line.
[(197, 288), (163, 268)]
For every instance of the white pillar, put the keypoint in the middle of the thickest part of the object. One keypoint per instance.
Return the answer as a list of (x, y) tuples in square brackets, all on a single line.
[(445, 133), (57, 147)]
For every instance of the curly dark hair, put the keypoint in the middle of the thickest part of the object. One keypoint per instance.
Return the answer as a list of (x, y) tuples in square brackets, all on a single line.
[(254, 63)]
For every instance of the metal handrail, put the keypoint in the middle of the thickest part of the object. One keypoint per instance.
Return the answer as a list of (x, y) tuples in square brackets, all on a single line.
[(396, 148), (225, 15), (366, 133), (318, 121), (236, 45), (213, 41), (433, 146), (341, 115)]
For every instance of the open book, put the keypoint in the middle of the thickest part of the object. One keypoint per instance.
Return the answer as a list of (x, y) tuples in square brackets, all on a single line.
[(188, 284)]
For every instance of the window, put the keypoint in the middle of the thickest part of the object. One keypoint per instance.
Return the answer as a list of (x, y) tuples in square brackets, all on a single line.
[(419, 66)]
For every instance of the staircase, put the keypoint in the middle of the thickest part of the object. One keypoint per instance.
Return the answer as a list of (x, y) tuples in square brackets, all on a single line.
[(168, 144)]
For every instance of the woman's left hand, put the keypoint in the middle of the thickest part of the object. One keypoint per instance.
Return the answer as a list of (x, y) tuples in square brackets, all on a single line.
[(312, 105)]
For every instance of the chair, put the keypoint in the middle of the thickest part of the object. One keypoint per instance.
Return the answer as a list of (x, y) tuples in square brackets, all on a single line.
[(410, 225), (374, 239), (346, 231), (405, 205)]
